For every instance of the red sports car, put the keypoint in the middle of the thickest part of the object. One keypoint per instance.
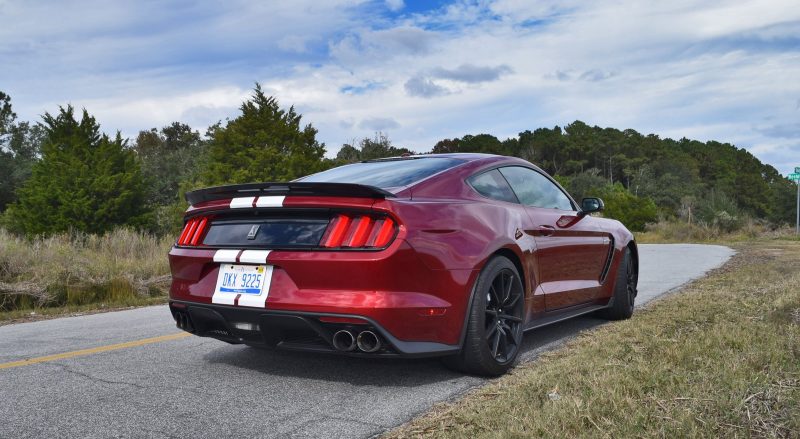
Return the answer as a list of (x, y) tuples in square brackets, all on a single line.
[(452, 255)]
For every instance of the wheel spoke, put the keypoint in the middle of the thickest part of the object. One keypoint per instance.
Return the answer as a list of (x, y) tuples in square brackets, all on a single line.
[(507, 293), (496, 343), (510, 317), (499, 287), (510, 338), (513, 301), (503, 343), (491, 332), (493, 293)]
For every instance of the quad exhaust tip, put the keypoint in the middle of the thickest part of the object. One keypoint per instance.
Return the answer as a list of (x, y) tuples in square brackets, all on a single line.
[(368, 341), (182, 321), (344, 340)]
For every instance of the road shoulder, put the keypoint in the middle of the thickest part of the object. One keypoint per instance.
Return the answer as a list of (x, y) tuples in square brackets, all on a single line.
[(722, 358)]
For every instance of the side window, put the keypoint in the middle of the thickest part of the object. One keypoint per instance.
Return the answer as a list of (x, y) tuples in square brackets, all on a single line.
[(534, 189), (492, 185)]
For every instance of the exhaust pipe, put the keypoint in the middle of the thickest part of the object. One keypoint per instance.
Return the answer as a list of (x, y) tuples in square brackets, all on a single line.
[(344, 340), (182, 321), (368, 341)]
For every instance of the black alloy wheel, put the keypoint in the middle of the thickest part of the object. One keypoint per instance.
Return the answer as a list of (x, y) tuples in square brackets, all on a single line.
[(495, 322), (503, 324)]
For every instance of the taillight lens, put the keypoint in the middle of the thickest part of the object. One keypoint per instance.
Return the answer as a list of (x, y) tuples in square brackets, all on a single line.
[(359, 231), (193, 231)]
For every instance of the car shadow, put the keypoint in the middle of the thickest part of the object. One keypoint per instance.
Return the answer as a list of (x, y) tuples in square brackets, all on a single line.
[(360, 371)]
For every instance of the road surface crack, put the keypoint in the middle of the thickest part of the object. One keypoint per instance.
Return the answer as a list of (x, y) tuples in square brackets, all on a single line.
[(92, 378)]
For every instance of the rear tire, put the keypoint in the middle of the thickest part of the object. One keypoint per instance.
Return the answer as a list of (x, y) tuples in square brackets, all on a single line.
[(495, 323), (624, 290)]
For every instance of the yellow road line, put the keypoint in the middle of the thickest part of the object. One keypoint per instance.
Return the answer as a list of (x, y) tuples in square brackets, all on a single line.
[(111, 347)]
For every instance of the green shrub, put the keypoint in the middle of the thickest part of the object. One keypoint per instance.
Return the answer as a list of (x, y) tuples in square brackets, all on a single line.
[(635, 212)]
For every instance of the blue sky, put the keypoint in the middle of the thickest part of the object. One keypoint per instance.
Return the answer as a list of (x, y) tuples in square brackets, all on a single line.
[(419, 71)]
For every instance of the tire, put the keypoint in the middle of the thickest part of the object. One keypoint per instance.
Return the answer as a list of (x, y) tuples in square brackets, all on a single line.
[(622, 302), (494, 334)]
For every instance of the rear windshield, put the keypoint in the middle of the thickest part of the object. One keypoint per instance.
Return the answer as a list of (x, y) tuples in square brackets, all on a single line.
[(385, 174)]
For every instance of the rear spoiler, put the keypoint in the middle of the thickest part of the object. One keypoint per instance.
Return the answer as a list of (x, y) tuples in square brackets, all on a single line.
[(292, 188)]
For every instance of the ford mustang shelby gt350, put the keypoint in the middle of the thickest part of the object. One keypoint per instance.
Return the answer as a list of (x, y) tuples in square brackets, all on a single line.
[(452, 255)]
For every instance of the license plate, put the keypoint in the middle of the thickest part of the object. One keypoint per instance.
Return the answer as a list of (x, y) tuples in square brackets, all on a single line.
[(242, 279)]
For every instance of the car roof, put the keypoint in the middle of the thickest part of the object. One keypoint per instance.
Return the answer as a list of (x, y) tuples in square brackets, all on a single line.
[(466, 156)]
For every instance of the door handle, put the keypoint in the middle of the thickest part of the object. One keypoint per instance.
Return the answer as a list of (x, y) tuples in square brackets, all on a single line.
[(545, 230)]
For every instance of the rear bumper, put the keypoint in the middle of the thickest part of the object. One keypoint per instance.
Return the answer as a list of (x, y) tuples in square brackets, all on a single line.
[(392, 289), (293, 330)]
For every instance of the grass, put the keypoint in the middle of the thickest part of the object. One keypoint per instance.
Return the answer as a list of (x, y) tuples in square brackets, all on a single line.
[(679, 231), (719, 359), (79, 272)]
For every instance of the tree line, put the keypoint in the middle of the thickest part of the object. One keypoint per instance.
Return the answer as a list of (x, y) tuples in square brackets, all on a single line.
[(64, 174)]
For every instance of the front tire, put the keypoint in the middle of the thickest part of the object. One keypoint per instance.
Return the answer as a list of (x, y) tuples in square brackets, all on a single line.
[(624, 290), (495, 324)]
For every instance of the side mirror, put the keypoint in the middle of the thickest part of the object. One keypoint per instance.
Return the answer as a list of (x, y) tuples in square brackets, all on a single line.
[(591, 205)]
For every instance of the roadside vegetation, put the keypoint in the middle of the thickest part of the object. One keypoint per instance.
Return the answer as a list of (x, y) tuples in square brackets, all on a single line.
[(70, 192), (721, 358), (664, 232), (76, 272)]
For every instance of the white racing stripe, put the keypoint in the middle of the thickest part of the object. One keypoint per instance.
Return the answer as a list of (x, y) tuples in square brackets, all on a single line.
[(226, 255), (242, 202), (270, 201), (254, 256)]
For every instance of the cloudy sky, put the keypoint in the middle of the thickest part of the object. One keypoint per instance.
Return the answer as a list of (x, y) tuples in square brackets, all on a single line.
[(419, 71)]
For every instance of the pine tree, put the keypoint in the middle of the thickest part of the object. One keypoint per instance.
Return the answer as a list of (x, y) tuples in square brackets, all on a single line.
[(85, 181), (265, 143)]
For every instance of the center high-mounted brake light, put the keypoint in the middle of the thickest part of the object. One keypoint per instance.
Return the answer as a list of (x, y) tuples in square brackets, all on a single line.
[(193, 231), (359, 231)]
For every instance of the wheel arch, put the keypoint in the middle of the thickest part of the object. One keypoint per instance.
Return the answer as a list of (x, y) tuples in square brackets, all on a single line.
[(634, 249), (514, 258)]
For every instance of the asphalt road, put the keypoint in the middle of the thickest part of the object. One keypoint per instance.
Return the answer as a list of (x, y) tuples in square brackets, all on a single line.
[(196, 387)]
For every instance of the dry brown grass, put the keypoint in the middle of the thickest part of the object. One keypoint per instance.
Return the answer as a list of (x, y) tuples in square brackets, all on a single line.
[(678, 231), (720, 359), (120, 267)]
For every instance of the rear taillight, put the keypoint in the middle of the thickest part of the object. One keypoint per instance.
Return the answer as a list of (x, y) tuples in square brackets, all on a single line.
[(359, 231), (193, 231)]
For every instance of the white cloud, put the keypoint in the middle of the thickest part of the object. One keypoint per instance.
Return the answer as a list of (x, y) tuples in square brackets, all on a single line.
[(293, 43), (423, 87), (395, 5), (366, 46), (379, 124)]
